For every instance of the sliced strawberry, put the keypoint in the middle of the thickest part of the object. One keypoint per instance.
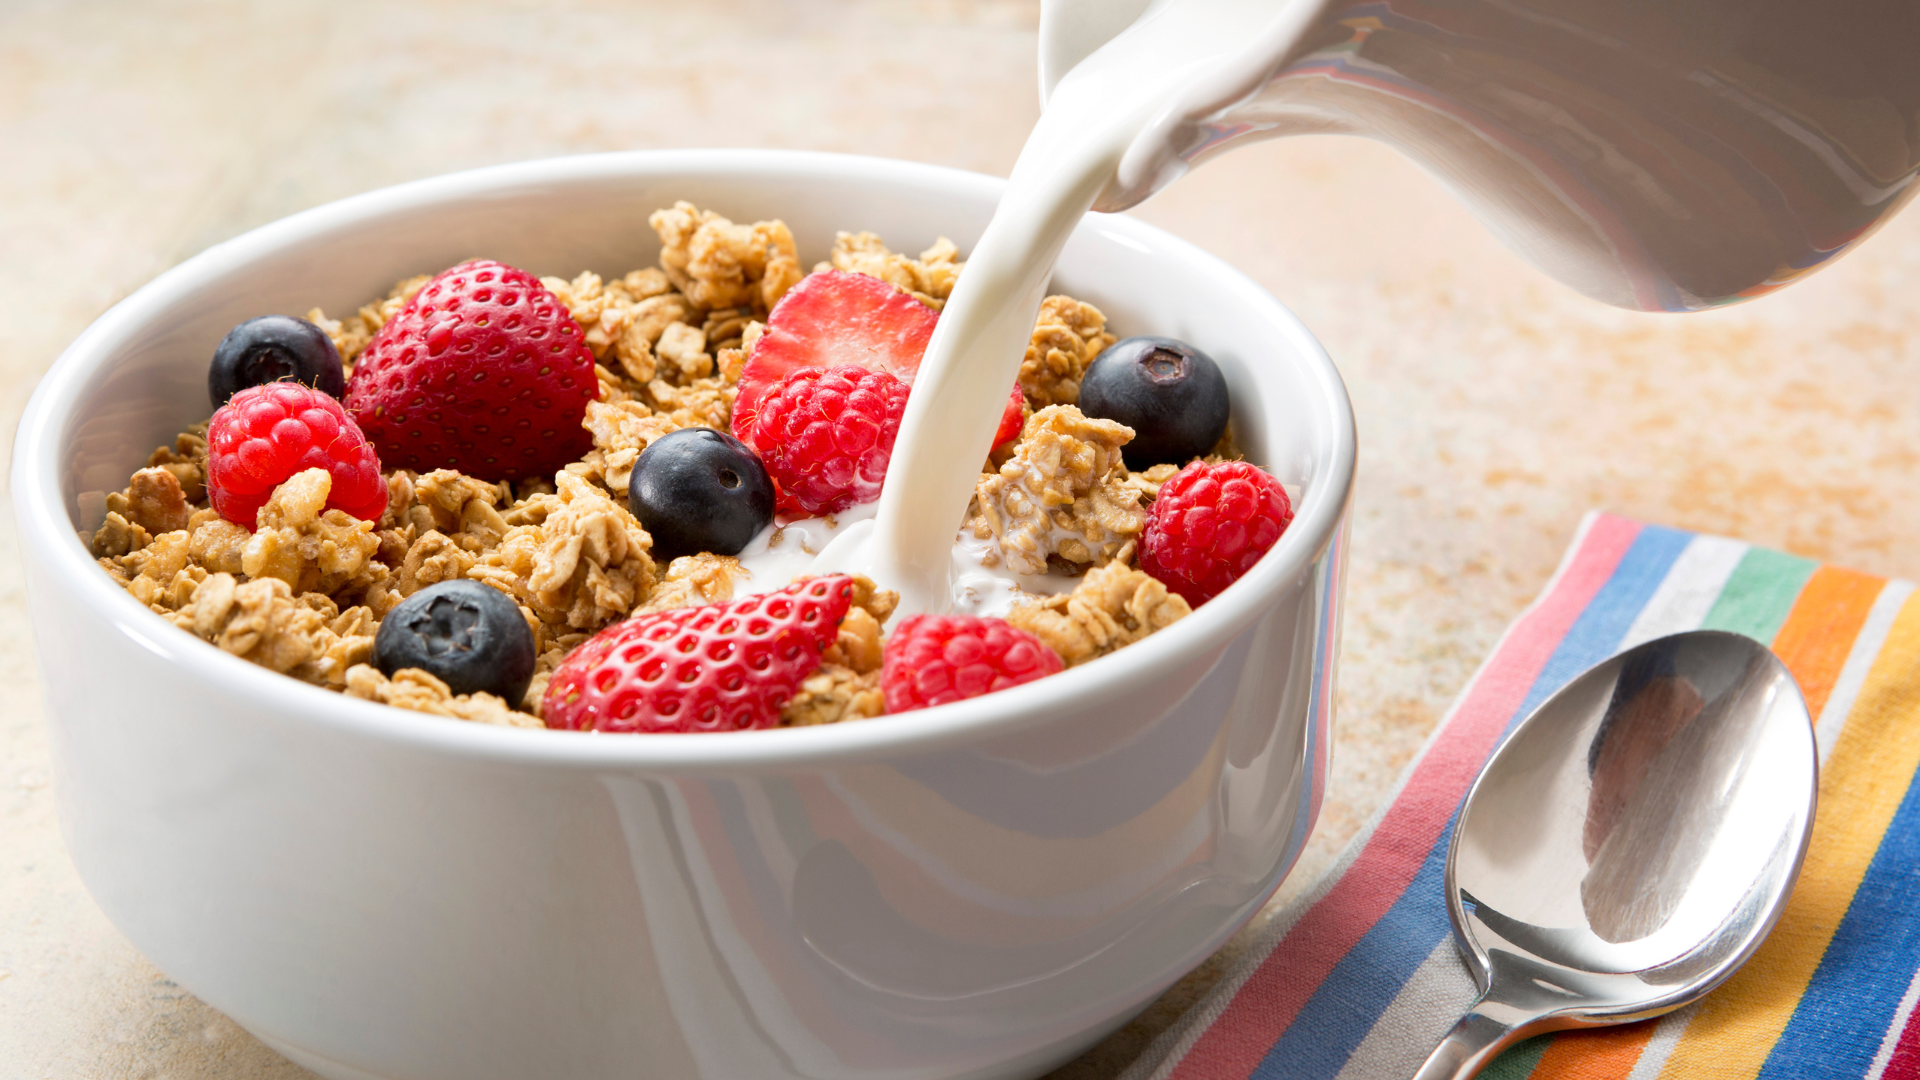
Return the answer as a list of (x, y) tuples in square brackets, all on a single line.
[(1012, 420), (730, 666), (836, 317)]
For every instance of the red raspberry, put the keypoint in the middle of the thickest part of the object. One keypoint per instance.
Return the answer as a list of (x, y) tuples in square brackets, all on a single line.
[(721, 667), (936, 659), (825, 435), (1209, 524), (836, 317), (484, 372), (265, 434)]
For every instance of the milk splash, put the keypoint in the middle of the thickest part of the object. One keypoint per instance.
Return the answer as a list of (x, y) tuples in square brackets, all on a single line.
[(1093, 118)]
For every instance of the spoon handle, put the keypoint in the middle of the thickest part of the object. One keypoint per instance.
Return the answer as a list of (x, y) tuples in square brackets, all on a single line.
[(1486, 1029)]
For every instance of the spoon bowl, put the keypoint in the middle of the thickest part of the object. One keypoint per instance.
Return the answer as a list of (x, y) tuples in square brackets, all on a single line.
[(1630, 843)]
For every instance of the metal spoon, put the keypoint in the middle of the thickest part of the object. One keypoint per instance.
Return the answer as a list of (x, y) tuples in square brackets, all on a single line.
[(1630, 843)]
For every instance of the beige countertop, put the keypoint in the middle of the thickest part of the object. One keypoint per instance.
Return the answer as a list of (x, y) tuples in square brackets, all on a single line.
[(1495, 406)]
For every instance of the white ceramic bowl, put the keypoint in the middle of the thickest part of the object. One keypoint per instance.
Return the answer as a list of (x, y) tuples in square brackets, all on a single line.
[(982, 889)]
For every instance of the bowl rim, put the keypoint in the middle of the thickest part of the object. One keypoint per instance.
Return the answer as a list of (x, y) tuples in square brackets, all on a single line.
[(71, 573)]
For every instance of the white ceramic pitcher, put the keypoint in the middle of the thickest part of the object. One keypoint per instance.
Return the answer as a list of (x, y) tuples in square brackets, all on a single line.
[(1655, 154)]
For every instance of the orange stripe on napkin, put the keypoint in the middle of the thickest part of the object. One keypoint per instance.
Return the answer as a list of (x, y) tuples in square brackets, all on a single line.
[(1603, 1054), (1819, 631)]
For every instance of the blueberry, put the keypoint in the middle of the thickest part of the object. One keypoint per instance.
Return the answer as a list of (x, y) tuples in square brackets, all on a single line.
[(1171, 394), (269, 349), (468, 635), (697, 490)]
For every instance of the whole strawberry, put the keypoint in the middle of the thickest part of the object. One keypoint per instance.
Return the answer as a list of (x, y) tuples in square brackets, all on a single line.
[(937, 659), (1210, 524), (265, 434), (826, 435), (720, 667), (484, 372)]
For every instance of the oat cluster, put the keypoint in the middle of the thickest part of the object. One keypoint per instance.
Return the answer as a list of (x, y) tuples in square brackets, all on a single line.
[(303, 591), (1113, 606), (718, 264), (694, 580), (1067, 337), (1063, 496), (929, 278), (411, 688)]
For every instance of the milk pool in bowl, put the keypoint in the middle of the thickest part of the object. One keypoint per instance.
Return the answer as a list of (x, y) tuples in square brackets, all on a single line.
[(979, 889)]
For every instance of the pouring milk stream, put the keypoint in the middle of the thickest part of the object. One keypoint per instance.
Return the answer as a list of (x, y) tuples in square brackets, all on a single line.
[(1672, 155), (1092, 116)]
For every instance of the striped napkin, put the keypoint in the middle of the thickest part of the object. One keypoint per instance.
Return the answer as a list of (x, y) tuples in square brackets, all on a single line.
[(1359, 978)]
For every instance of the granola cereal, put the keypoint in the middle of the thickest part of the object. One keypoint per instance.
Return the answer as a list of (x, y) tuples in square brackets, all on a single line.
[(1063, 494), (579, 562), (156, 501), (312, 549), (1113, 606), (703, 402), (726, 328), (692, 580), (833, 694), (161, 575), (1148, 482), (260, 620), (432, 558), (620, 431), (302, 589), (216, 543), (1067, 337), (930, 278), (186, 459), (411, 688), (549, 658), (605, 312), (716, 263), (462, 507)]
